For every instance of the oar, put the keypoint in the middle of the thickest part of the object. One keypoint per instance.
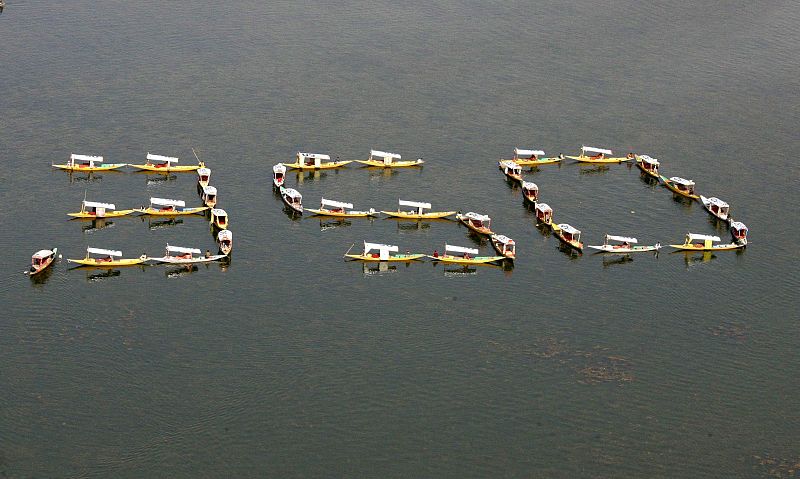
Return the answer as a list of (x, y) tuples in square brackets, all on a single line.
[(348, 250), (195, 155)]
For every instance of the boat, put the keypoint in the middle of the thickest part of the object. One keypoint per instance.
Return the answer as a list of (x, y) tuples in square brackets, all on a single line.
[(533, 158), (417, 213), (93, 209), (717, 207), (476, 222), (706, 245), (512, 170), (186, 256), (88, 163), (225, 242), (463, 256), (203, 176), (530, 191), (623, 244), (292, 198), (167, 207), (209, 196), (569, 235), (219, 218), (315, 161), (41, 260), (544, 214), (337, 208), (384, 159), (599, 156), (681, 186), (164, 164), (504, 245), (382, 253), (648, 165), (278, 175), (739, 232), (105, 258)]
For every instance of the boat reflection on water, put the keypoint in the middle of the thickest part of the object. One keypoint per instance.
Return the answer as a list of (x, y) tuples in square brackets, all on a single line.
[(93, 225), (569, 251), (682, 200), (101, 276), (158, 224), (692, 258), (312, 175), (181, 270), (41, 278), (76, 176), (330, 223), (459, 271), (154, 177), (456, 271), (593, 170), (609, 261), (224, 263), (379, 268), (649, 180)]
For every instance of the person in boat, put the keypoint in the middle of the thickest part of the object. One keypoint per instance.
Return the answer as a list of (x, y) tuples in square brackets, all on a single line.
[(208, 253), (466, 256), (436, 253), (631, 156), (625, 245)]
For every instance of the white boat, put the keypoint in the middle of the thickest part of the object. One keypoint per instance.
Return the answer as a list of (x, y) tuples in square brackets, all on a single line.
[(716, 207), (504, 245), (41, 260), (648, 165), (544, 214), (219, 218), (623, 244), (203, 176), (681, 186), (292, 198), (209, 196), (476, 222), (739, 232), (511, 169), (278, 175), (181, 255), (225, 241), (569, 235), (337, 208), (530, 191)]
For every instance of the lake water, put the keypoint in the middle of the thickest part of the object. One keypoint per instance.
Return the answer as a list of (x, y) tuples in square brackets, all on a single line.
[(289, 361)]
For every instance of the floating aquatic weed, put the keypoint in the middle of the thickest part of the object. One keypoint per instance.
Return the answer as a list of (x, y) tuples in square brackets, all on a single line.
[(778, 466)]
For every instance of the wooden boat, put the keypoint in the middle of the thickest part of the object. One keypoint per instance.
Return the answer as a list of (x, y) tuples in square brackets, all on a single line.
[(93, 209), (167, 207), (739, 232), (648, 165), (41, 260), (623, 244), (106, 258), (382, 253), (504, 245), (530, 192), (88, 163), (462, 255), (706, 245), (512, 170), (569, 235), (337, 208), (681, 186), (716, 207), (209, 196), (544, 214), (315, 161), (225, 242), (278, 175), (181, 255), (292, 198), (383, 159), (219, 218), (476, 222), (165, 164), (600, 156), (418, 212), (533, 158), (203, 176)]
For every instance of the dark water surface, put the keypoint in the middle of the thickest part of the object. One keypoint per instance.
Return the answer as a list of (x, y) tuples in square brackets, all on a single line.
[(292, 362)]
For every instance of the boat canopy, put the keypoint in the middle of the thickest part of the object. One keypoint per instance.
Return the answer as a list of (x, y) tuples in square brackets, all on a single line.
[(225, 235), (335, 204), (625, 239), (204, 172), (682, 181), (161, 159), (647, 159), (738, 226), (312, 156), (180, 249), (477, 217), (279, 168), (167, 202), (209, 190), (503, 239), (106, 252), (415, 204), (718, 202), (592, 149), (521, 152), (693, 236), (42, 254), (511, 165), (460, 249), (530, 186), (569, 229), (544, 207), (292, 193), (85, 159), (218, 212), (383, 249), (387, 157), (94, 204)]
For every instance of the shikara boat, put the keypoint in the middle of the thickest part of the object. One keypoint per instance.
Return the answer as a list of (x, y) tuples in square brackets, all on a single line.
[(462, 255), (219, 218), (623, 244), (181, 255), (476, 222), (292, 198), (544, 214), (716, 207), (569, 235), (105, 258), (533, 158), (739, 232), (512, 170), (417, 213), (681, 186), (203, 176), (382, 252), (504, 245), (225, 242), (166, 164), (600, 156), (278, 175), (93, 209), (41, 260), (315, 161), (382, 159), (697, 242), (530, 192), (88, 163), (337, 208), (209, 196), (648, 165), (167, 207)]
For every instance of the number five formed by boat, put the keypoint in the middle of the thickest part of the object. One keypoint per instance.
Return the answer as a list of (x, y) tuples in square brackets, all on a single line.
[(383, 252), (88, 163), (41, 260), (418, 211), (383, 159), (476, 222), (697, 242), (601, 155)]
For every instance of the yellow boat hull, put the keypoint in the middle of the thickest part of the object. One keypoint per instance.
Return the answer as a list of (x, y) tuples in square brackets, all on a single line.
[(103, 167), (353, 214), (699, 247), (540, 161), (395, 258), (483, 231), (589, 159), (187, 211), (415, 216), (108, 214), (323, 166), (460, 260), (170, 169), (394, 164), (672, 188), (648, 172), (108, 264)]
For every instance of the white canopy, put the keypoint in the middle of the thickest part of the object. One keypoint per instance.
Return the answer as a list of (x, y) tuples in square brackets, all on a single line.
[(218, 212), (510, 164), (225, 235), (693, 236), (718, 202), (738, 225), (460, 249), (415, 204), (683, 181), (529, 185), (544, 207), (292, 193), (93, 204), (379, 247), (107, 252), (569, 229), (209, 190), (279, 168), (592, 149), (161, 159), (179, 249), (649, 160), (204, 172), (42, 253), (383, 154), (317, 156), (86, 158), (335, 204), (477, 217), (166, 202), (503, 239), (520, 152), (621, 238)]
